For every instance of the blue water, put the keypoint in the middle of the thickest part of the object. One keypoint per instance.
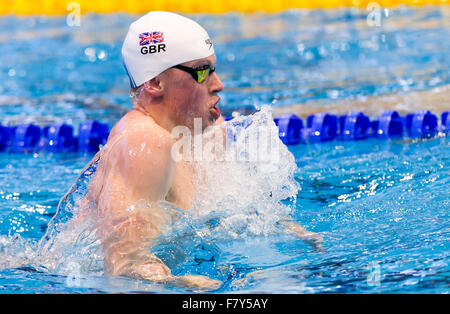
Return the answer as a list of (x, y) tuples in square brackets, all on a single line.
[(382, 207)]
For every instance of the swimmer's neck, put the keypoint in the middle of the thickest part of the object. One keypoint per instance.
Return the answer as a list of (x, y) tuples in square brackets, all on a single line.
[(157, 113)]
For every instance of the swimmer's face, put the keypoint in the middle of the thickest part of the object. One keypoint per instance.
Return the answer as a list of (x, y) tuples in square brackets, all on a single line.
[(187, 99)]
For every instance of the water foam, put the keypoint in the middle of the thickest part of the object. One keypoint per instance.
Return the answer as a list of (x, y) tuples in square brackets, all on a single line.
[(241, 193)]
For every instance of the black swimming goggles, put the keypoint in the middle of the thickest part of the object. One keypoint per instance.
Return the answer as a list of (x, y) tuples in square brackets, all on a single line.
[(199, 74)]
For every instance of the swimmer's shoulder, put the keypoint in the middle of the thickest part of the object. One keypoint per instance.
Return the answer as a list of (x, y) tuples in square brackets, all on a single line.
[(137, 136), (137, 161)]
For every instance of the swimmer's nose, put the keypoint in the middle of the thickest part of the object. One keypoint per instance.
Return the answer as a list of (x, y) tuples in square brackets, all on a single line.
[(216, 84)]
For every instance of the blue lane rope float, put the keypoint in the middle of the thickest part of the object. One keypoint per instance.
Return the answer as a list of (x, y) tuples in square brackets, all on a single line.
[(290, 128), (57, 138), (354, 126), (320, 127), (25, 139), (445, 127), (92, 134), (389, 125), (421, 124), (5, 137)]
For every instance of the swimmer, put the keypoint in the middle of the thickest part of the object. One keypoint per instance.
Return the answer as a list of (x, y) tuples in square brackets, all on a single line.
[(170, 61)]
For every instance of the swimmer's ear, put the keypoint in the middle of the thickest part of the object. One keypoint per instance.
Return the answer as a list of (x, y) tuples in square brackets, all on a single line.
[(154, 87)]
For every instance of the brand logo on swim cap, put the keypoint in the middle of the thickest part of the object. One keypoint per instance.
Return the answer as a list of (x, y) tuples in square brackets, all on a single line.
[(209, 42), (147, 39)]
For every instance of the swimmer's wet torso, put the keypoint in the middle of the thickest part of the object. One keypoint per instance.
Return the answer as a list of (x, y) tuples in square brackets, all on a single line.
[(178, 186), (134, 172)]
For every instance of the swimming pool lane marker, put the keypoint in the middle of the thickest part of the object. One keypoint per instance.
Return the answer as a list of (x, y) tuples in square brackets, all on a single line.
[(320, 127), (323, 127)]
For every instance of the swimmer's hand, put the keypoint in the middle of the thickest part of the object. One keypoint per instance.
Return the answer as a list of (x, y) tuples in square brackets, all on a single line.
[(150, 270), (196, 282), (158, 272), (313, 239)]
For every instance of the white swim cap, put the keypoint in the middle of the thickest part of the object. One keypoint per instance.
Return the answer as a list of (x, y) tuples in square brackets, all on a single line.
[(158, 41)]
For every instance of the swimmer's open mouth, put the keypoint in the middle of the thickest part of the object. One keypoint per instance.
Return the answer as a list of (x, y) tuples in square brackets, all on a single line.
[(215, 111)]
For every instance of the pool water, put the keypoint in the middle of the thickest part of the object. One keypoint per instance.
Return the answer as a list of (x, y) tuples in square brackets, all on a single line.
[(382, 207)]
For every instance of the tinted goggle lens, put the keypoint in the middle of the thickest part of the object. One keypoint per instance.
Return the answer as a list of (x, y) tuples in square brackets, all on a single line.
[(202, 75)]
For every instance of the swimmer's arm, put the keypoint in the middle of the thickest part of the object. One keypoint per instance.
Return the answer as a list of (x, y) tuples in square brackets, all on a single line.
[(139, 171), (313, 239), (133, 218)]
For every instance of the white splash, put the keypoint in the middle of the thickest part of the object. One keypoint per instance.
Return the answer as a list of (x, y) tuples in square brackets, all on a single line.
[(244, 195)]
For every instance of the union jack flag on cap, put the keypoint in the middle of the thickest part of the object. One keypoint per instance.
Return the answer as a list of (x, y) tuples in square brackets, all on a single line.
[(151, 38)]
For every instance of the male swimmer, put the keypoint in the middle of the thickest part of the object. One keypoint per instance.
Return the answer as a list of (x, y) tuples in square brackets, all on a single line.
[(170, 61)]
